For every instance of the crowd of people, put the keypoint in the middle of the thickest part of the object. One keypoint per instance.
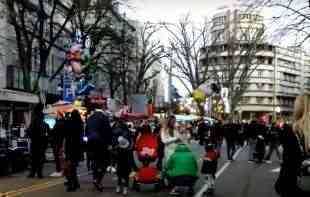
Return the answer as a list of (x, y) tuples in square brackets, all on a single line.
[(159, 151)]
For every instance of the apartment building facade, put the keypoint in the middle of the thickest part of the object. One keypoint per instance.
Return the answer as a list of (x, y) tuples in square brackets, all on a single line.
[(281, 73)]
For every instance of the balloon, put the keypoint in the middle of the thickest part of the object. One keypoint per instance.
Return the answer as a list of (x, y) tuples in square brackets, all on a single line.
[(199, 95), (76, 66)]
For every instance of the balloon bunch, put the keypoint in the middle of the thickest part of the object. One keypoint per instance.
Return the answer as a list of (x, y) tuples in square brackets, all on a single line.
[(74, 58), (200, 94)]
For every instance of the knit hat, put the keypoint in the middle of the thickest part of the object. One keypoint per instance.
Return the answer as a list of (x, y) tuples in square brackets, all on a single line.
[(123, 142)]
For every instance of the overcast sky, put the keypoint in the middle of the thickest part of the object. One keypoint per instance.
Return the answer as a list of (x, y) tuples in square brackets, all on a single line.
[(171, 10)]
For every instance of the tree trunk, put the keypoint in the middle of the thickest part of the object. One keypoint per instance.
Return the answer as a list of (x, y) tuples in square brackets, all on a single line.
[(27, 80)]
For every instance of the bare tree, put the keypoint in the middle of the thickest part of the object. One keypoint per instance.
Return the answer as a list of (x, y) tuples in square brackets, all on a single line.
[(36, 24), (20, 15), (148, 52), (234, 68), (290, 18), (186, 40)]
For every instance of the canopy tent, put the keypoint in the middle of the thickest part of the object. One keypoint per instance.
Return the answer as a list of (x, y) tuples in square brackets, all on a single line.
[(62, 107), (134, 116), (190, 118)]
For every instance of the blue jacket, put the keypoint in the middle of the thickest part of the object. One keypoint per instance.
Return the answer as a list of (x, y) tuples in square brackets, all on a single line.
[(98, 129)]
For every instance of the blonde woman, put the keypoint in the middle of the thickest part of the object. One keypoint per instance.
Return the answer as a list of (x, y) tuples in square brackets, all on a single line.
[(169, 137), (296, 144)]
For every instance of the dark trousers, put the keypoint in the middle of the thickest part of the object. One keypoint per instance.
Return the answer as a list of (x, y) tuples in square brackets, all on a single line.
[(183, 181), (56, 152), (100, 156), (37, 162), (72, 177), (231, 149), (123, 163), (272, 147)]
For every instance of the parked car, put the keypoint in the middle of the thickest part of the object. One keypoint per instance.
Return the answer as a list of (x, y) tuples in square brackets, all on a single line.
[(14, 158)]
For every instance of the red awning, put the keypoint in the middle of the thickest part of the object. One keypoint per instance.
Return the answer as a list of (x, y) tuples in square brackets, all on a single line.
[(134, 116)]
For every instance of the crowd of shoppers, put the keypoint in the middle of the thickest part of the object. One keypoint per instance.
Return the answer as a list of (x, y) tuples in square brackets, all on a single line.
[(117, 143)]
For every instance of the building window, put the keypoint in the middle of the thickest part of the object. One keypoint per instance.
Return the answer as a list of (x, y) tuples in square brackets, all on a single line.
[(270, 61), (270, 100), (260, 60), (245, 100), (270, 86), (260, 74), (260, 100)]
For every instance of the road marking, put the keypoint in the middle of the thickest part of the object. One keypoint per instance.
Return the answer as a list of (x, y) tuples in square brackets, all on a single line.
[(218, 173), (36, 187)]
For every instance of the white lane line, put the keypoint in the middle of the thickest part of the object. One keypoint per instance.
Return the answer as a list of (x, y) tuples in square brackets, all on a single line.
[(218, 173)]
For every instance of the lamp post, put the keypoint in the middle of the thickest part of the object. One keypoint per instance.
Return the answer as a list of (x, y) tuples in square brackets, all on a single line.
[(277, 111)]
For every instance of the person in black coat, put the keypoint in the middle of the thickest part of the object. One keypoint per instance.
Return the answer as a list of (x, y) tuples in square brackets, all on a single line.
[(74, 129), (99, 134), (203, 131), (230, 137), (38, 132), (296, 147), (293, 156), (251, 133), (123, 144)]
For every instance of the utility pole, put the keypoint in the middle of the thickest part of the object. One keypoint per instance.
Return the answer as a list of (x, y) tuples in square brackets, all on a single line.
[(170, 100), (274, 85)]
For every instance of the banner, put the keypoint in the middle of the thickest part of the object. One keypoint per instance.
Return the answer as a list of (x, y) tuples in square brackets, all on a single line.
[(138, 103), (68, 86)]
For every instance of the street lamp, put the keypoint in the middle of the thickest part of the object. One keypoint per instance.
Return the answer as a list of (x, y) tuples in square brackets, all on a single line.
[(278, 109)]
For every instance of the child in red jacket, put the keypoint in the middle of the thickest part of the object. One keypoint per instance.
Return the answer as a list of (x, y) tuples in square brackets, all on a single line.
[(209, 166)]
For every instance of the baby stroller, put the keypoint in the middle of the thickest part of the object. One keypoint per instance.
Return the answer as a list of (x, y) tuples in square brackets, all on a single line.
[(146, 148)]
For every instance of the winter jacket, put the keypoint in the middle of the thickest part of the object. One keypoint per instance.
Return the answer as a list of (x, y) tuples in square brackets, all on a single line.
[(98, 129), (121, 130), (59, 132), (182, 163), (293, 155), (38, 132), (73, 134)]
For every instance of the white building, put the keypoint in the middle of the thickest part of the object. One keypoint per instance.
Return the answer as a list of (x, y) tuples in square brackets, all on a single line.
[(281, 75)]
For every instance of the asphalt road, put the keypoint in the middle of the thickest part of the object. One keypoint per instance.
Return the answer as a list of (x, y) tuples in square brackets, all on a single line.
[(235, 179)]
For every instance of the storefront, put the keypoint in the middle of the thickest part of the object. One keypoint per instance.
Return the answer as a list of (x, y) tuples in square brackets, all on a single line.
[(15, 110)]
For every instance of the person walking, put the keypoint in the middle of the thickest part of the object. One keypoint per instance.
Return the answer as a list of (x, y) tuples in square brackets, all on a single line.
[(217, 135), (73, 133), (203, 131), (124, 152), (273, 139), (296, 144), (230, 137), (38, 132), (99, 134), (251, 134), (57, 143), (169, 137)]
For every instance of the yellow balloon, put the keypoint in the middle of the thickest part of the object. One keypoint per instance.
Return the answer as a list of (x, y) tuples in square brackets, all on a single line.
[(199, 95)]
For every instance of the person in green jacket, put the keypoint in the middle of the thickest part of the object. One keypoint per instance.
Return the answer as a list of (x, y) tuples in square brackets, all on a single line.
[(182, 169)]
